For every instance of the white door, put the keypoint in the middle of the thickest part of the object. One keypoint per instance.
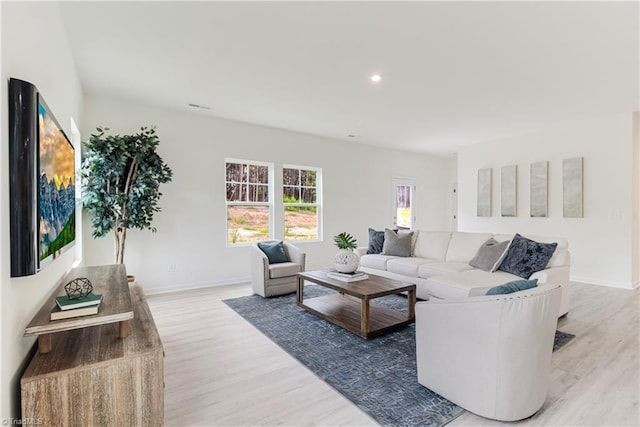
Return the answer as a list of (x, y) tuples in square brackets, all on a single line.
[(403, 211)]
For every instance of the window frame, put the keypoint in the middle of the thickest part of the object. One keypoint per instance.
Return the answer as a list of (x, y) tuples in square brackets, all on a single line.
[(270, 203), (397, 181), (317, 204)]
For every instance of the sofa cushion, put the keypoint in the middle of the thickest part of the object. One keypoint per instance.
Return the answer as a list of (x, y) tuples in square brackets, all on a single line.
[(439, 268), (432, 245), (466, 283), (396, 244), (560, 256), (377, 261), (511, 287), (414, 237), (490, 255), (464, 246), (407, 266), (283, 269), (274, 251), (526, 256), (376, 240)]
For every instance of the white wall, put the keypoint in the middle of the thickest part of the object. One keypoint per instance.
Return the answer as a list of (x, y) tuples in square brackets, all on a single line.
[(191, 227), (35, 49), (601, 242)]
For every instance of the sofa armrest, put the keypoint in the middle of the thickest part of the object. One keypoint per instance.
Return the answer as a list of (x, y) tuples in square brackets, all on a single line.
[(557, 276), (362, 250), (259, 269), (296, 255), (259, 265)]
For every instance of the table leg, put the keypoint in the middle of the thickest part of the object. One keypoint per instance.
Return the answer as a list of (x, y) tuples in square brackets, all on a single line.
[(364, 318), (412, 304), (125, 328), (300, 291), (44, 343)]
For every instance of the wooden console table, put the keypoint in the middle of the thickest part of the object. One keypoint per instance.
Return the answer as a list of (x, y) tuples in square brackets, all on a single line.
[(108, 280), (92, 376)]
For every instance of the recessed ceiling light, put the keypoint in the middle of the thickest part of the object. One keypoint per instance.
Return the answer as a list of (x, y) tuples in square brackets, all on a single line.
[(375, 78)]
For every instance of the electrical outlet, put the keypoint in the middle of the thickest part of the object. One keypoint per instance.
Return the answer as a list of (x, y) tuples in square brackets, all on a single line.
[(172, 268)]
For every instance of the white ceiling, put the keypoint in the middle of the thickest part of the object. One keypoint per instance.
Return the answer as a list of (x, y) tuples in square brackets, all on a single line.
[(454, 73)]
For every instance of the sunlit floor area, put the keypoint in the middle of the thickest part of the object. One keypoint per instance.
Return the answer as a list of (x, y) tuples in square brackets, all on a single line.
[(220, 370)]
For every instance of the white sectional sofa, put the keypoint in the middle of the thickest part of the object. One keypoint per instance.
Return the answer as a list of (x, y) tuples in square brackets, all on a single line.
[(439, 265)]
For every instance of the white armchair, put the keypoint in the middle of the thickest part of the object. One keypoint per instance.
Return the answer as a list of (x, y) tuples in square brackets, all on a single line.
[(490, 354), (275, 279)]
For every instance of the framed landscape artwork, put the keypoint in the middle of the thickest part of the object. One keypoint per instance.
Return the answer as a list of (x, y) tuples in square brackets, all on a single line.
[(508, 193), (572, 199), (484, 192), (539, 187)]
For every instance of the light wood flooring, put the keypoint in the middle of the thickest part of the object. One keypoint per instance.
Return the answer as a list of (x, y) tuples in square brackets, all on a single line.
[(220, 370)]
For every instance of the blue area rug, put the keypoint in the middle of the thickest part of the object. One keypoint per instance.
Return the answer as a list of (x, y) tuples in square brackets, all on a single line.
[(379, 375)]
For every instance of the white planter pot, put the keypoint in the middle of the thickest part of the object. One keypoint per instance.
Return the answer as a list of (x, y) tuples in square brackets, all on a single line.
[(346, 261)]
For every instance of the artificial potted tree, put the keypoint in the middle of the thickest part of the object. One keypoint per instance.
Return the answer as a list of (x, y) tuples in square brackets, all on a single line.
[(121, 176)]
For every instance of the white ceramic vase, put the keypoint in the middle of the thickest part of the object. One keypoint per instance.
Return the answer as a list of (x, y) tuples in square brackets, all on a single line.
[(346, 261)]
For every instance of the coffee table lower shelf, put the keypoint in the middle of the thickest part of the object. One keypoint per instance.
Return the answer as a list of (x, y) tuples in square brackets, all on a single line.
[(351, 314)]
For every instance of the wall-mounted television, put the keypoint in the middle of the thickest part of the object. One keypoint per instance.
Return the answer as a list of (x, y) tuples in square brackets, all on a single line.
[(42, 182)]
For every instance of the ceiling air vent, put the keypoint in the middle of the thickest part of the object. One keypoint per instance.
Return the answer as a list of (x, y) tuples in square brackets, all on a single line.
[(202, 107)]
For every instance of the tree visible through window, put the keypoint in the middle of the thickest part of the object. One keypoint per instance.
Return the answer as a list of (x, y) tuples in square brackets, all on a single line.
[(301, 199), (248, 201)]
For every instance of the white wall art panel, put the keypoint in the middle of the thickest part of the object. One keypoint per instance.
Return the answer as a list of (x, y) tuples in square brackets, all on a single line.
[(509, 191), (484, 192), (539, 187), (572, 170)]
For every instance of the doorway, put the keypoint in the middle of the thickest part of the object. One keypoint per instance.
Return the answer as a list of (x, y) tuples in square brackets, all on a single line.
[(404, 215)]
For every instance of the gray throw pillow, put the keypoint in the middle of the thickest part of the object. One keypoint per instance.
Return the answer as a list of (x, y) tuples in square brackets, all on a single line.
[(526, 256), (490, 255), (397, 245)]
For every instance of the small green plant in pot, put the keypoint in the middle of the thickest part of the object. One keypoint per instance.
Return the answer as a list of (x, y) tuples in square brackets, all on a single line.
[(345, 241), (346, 261)]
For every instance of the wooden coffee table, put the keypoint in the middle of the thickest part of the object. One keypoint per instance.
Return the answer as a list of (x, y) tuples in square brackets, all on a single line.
[(351, 308)]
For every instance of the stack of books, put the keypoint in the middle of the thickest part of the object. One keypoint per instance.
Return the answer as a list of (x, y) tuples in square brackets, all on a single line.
[(66, 308), (348, 277)]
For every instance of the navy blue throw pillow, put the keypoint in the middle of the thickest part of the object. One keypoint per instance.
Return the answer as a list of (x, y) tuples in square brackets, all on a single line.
[(376, 241), (274, 251), (526, 256), (511, 287)]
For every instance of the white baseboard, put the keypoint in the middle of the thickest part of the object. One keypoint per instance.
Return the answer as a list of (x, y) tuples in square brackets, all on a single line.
[(178, 287), (621, 285)]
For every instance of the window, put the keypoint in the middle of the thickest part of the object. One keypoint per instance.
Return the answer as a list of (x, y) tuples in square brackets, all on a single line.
[(403, 213), (302, 202), (249, 201)]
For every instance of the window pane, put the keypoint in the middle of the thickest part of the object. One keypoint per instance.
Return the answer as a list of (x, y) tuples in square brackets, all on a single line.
[(258, 174), (290, 195), (308, 195), (236, 172), (236, 192), (308, 178), (403, 206), (247, 223), (258, 193), (290, 176), (301, 222)]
